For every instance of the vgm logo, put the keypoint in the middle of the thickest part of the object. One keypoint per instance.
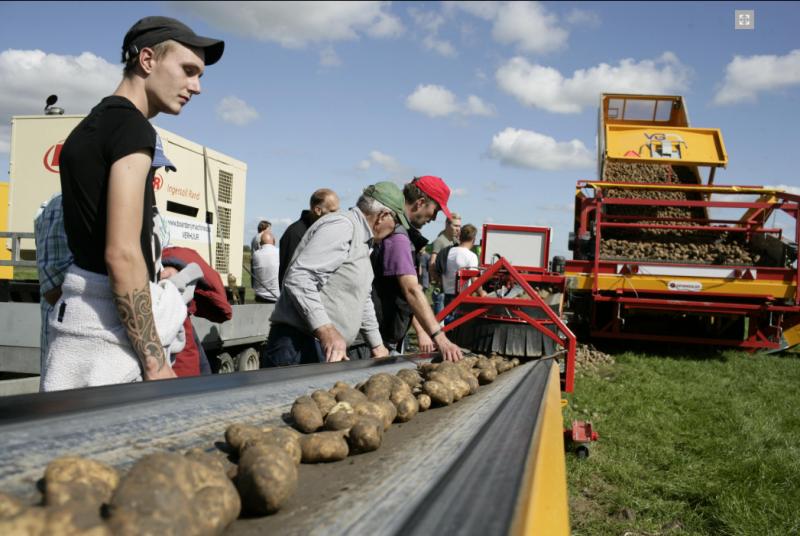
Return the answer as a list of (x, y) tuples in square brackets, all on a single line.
[(52, 156)]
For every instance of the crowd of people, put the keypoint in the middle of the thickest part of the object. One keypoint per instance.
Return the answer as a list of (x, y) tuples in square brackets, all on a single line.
[(117, 297)]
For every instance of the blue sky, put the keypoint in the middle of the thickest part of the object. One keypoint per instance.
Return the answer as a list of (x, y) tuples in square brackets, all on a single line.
[(498, 99)]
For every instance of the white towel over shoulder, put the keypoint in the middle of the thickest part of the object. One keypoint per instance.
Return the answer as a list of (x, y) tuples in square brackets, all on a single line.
[(88, 344)]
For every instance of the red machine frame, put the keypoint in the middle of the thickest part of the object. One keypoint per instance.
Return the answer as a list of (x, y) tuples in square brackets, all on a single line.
[(766, 315), (550, 326)]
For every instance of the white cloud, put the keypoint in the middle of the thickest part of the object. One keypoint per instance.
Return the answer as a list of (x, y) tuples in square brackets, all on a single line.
[(786, 188), (528, 149), (236, 111), (546, 88), (529, 26), (482, 9), (296, 24), (441, 47), (429, 23), (475, 106), (29, 76), (438, 101), (387, 26), (581, 17), (388, 164), (459, 192), (329, 58), (5, 139), (746, 77)]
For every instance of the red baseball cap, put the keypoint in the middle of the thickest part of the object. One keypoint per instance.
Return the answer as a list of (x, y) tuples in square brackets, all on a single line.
[(436, 189)]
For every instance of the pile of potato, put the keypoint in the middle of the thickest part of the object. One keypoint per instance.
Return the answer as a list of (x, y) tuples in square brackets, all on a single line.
[(665, 244), (201, 493), (590, 359)]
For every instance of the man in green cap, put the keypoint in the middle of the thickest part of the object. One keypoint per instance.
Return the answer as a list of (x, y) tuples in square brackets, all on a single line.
[(329, 280)]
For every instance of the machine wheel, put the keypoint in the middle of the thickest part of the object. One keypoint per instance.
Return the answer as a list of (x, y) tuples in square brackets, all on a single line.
[(582, 452), (226, 365), (248, 359)]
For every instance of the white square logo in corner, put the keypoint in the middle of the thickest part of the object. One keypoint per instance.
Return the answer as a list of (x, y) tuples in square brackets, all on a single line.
[(745, 19)]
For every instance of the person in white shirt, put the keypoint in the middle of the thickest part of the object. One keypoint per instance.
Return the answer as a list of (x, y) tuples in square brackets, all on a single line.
[(265, 270), (458, 257)]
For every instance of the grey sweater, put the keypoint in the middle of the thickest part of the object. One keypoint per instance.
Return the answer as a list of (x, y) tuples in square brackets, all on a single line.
[(329, 279)]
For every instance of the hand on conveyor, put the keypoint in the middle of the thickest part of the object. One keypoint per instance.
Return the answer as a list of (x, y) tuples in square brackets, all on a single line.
[(450, 351), (166, 372), (425, 342), (333, 344), (380, 351)]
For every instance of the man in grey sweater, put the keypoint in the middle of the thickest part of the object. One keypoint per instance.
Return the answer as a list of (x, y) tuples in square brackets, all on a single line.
[(325, 300)]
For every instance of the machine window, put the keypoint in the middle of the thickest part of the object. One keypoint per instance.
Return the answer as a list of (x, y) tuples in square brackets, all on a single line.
[(641, 110)]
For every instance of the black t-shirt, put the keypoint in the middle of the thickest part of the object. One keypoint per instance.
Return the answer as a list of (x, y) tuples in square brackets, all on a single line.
[(290, 240), (115, 128)]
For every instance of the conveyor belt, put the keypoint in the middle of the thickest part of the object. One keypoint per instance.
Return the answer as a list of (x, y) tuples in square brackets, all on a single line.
[(405, 486)]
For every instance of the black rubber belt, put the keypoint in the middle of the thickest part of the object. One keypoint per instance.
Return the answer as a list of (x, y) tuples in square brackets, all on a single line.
[(477, 495), (41, 405)]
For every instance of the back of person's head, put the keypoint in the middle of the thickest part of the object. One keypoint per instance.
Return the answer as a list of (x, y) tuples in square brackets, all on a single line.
[(468, 233), (263, 225), (323, 201), (267, 238)]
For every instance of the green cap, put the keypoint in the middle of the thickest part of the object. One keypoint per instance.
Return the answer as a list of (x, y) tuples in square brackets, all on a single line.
[(389, 194)]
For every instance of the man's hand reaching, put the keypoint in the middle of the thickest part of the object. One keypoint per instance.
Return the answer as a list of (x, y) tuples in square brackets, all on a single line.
[(333, 344)]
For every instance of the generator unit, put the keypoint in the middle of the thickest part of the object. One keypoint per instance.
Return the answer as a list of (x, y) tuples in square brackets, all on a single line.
[(202, 202)]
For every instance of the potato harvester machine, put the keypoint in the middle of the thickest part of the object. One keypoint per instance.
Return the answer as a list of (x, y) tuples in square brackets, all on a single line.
[(662, 254)]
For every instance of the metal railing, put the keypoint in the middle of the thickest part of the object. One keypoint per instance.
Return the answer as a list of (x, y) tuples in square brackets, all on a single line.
[(16, 238)]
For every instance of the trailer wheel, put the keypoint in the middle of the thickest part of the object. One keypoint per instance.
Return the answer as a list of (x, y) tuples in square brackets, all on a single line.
[(248, 359), (582, 452), (226, 365)]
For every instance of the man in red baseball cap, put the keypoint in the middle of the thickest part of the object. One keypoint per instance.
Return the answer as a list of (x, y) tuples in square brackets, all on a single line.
[(399, 299)]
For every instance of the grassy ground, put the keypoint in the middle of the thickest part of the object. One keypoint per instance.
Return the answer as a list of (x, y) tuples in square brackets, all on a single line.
[(690, 444)]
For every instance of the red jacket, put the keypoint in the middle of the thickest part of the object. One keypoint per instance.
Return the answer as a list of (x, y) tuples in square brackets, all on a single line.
[(209, 302)]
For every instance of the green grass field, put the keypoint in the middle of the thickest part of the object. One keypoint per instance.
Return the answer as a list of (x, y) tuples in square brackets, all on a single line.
[(698, 443)]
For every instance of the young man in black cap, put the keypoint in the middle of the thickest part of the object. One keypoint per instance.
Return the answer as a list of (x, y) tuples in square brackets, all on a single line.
[(106, 180)]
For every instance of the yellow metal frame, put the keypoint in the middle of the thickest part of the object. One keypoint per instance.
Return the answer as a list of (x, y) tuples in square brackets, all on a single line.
[(791, 335), (6, 272), (579, 281), (542, 505), (698, 146), (748, 190)]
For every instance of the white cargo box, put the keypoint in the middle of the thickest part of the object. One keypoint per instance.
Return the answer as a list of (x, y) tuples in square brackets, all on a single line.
[(203, 201)]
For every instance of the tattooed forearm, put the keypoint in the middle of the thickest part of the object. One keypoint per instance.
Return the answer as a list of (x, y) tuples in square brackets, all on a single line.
[(136, 314)]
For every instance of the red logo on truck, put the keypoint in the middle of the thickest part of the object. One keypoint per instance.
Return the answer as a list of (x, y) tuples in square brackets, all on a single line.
[(158, 182), (52, 156)]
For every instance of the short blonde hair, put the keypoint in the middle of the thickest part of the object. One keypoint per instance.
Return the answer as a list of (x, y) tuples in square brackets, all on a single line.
[(159, 51)]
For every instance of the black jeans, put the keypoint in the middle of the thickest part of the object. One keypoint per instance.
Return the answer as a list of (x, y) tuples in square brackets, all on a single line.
[(287, 345)]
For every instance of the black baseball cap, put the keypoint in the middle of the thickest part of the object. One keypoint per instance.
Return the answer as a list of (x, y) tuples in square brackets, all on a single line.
[(150, 31)]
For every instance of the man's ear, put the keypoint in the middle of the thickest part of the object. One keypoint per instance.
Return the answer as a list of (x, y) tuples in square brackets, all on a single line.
[(147, 60)]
